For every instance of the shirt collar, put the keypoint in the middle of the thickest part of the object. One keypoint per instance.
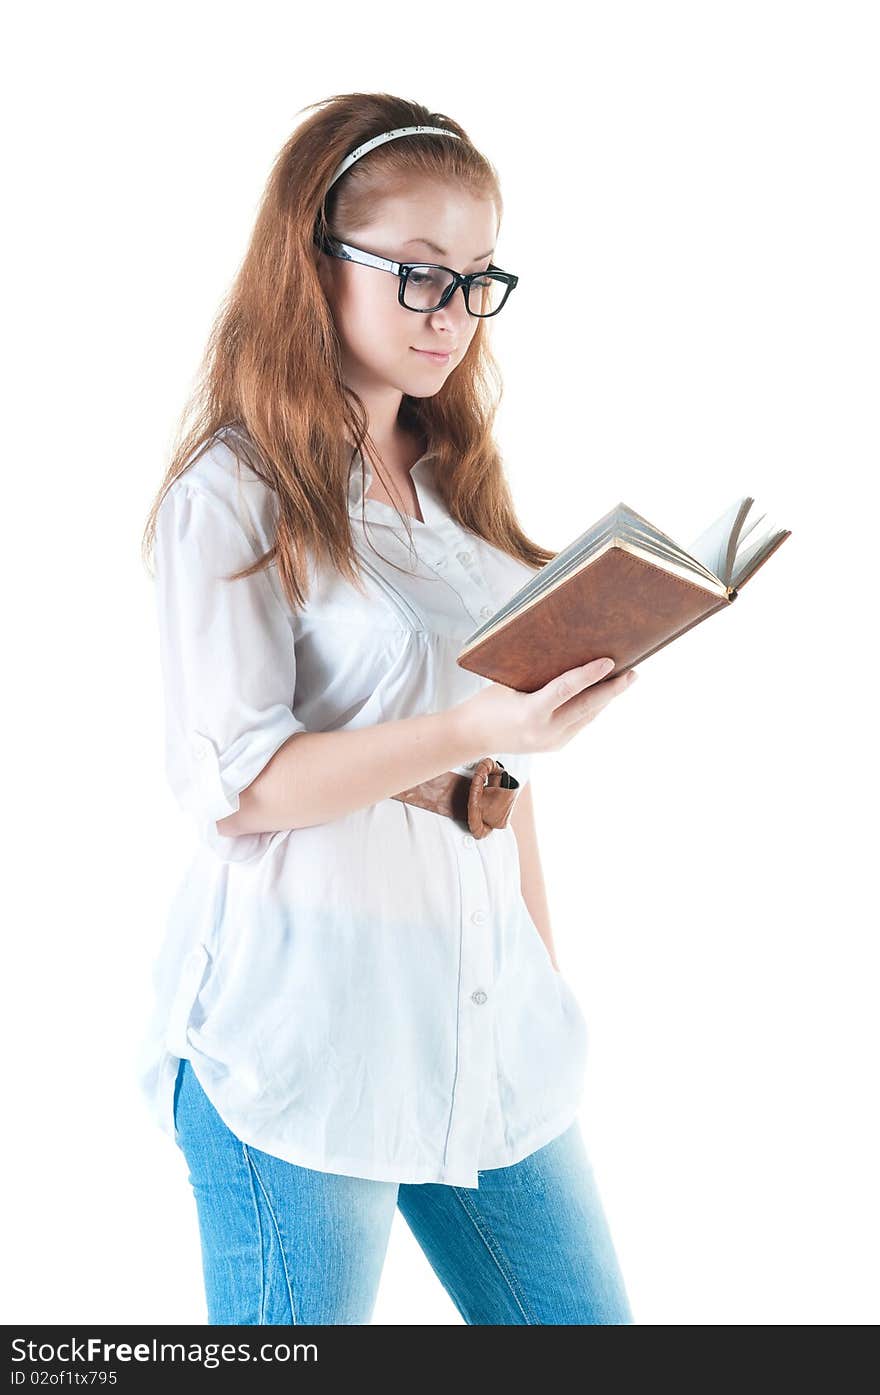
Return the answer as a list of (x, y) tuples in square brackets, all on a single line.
[(433, 510)]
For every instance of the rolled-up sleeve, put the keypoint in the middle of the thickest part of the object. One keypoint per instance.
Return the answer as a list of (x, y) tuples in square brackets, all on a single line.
[(228, 662)]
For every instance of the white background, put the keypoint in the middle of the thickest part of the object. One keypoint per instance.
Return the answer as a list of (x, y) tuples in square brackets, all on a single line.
[(692, 206)]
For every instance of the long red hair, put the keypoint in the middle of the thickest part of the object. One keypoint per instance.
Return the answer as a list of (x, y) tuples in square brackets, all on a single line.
[(272, 368)]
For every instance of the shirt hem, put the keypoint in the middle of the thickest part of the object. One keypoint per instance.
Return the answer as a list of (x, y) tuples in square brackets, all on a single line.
[(373, 1171), (538, 1138)]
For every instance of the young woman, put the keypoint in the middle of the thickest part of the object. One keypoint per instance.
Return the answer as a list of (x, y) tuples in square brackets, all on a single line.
[(358, 1001)]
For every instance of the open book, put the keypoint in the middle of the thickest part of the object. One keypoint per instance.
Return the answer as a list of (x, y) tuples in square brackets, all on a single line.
[(623, 589)]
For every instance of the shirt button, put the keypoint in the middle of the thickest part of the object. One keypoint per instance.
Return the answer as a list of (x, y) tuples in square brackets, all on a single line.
[(468, 840), (479, 917), (441, 562), (479, 996), (198, 750), (464, 557), (486, 611)]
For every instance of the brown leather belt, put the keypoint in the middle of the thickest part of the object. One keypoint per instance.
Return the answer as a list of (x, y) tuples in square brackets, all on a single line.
[(480, 802)]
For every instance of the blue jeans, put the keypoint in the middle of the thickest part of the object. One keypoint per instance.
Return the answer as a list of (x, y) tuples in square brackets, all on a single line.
[(290, 1245)]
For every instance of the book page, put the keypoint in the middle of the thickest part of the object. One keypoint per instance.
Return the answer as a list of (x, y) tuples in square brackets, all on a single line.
[(748, 557), (711, 546)]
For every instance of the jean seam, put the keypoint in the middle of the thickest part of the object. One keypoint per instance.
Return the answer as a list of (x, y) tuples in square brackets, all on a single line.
[(262, 1308), (255, 1173), (494, 1249)]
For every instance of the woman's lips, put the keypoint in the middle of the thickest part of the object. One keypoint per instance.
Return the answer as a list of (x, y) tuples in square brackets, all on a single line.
[(437, 358)]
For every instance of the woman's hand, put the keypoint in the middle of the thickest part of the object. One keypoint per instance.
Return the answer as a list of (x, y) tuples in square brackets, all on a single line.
[(504, 719)]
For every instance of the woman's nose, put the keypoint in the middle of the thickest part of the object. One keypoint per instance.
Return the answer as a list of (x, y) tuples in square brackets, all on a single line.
[(453, 315)]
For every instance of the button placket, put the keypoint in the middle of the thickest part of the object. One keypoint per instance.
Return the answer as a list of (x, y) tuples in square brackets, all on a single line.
[(475, 582), (476, 1026), (464, 574)]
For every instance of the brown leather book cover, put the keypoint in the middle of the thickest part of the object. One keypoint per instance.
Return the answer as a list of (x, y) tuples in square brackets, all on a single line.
[(624, 589)]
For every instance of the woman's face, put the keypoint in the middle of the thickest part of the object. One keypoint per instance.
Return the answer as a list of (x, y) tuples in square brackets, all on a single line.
[(379, 337)]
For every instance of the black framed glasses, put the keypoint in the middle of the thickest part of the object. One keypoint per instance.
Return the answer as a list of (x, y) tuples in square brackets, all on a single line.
[(425, 287)]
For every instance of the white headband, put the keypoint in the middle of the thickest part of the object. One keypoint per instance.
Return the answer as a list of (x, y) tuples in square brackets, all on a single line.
[(380, 140)]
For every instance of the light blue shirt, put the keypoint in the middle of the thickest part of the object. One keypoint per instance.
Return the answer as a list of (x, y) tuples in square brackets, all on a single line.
[(369, 995)]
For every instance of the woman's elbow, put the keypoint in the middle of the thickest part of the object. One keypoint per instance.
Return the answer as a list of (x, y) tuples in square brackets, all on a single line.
[(242, 821), (229, 827)]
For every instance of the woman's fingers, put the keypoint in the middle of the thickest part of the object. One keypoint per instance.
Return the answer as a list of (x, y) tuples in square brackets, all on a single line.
[(569, 684), (572, 702)]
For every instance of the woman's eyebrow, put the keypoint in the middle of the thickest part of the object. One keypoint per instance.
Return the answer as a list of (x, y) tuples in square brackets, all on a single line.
[(441, 251)]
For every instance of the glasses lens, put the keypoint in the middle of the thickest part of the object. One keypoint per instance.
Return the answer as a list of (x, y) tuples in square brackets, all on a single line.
[(487, 295), (426, 286)]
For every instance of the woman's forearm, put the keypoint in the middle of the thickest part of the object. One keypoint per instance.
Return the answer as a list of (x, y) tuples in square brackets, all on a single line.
[(318, 776)]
